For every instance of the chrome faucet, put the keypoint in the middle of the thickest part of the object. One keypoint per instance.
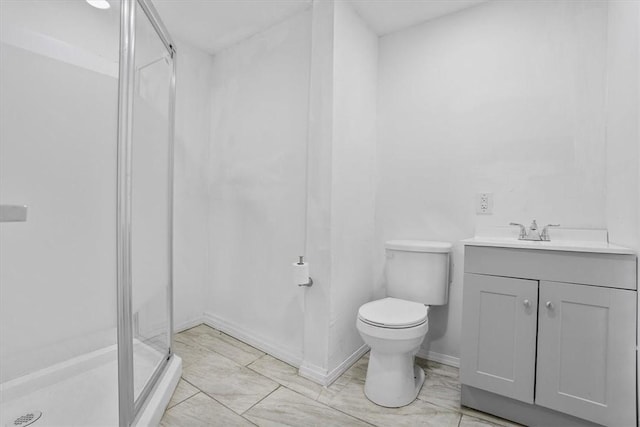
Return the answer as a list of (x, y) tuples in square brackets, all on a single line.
[(532, 233), (523, 231), (545, 232)]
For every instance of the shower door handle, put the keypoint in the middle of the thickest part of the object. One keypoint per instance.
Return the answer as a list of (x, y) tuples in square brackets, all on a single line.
[(13, 213)]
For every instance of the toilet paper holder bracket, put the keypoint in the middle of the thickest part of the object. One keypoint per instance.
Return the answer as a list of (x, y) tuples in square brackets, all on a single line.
[(310, 282), (307, 284)]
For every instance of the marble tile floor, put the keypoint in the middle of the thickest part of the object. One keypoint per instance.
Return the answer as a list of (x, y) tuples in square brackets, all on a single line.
[(226, 382)]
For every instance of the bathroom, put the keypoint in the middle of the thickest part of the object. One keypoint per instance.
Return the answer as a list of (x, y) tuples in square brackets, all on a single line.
[(315, 128)]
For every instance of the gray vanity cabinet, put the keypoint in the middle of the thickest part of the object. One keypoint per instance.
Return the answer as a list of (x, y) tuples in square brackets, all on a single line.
[(586, 352), (541, 351), (499, 335)]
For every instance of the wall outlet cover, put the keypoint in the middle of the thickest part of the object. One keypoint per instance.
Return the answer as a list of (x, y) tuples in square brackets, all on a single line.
[(484, 203)]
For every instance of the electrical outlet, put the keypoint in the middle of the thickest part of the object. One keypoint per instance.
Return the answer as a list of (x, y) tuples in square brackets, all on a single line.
[(484, 203)]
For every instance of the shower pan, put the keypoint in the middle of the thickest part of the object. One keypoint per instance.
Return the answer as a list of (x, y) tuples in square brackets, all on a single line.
[(86, 179)]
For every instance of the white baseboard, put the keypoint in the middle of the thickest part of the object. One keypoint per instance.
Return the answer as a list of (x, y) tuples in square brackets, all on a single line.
[(324, 377), (188, 324), (259, 342), (314, 373), (445, 359), (342, 368), (310, 371)]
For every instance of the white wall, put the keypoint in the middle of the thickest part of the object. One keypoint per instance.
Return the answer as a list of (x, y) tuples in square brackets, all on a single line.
[(257, 186), (623, 126), (318, 193), (263, 213), (623, 133), (341, 189), (191, 166), (506, 97), (353, 179)]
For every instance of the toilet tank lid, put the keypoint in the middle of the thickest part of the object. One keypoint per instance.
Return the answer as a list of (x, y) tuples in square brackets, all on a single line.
[(418, 246)]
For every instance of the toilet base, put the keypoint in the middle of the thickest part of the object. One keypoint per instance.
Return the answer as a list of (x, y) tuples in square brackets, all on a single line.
[(393, 380)]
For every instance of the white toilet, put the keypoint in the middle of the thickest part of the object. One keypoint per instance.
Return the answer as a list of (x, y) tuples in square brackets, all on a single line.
[(417, 276)]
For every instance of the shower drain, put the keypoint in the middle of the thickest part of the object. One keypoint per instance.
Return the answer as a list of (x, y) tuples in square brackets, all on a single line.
[(26, 419)]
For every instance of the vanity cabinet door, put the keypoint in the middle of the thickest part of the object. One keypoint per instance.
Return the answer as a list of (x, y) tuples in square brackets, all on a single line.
[(586, 352), (499, 335)]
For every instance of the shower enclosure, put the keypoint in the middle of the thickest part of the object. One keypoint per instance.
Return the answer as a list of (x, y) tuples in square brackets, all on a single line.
[(86, 159)]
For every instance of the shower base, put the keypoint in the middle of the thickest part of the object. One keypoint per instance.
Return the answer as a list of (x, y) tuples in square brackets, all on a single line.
[(83, 391)]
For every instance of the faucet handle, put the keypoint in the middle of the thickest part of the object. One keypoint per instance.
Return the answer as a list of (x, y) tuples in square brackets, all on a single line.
[(523, 231), (545, 231)]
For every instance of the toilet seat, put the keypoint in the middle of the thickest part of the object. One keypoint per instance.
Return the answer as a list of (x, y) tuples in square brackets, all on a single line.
[(393, 313)]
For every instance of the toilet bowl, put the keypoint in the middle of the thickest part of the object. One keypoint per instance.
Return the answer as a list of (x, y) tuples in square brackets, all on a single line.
[(394, 329), (417, 276)]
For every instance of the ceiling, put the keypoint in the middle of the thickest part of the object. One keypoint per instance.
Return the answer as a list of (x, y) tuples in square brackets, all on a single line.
[(72, 22), (213, 25), (210, 25), (388, 16)]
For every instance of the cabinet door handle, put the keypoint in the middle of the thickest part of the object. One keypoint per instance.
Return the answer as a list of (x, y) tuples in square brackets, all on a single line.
[(549, 305), (526, 303)]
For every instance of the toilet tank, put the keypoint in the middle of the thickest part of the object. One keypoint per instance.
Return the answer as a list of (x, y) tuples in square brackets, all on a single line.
[(418, 270)]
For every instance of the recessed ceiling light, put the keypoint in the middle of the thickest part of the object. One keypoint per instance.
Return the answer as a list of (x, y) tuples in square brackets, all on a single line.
[(100, 4)]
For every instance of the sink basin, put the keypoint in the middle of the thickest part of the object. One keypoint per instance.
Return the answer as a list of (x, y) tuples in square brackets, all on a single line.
[(562, 239)]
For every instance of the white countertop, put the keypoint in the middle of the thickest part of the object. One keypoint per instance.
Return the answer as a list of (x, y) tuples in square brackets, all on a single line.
[(562, 239)]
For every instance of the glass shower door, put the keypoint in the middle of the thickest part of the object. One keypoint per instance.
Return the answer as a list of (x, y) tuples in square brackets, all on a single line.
[(151, 195), (145, 182)]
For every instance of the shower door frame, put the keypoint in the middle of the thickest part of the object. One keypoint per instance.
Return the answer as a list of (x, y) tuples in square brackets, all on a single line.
[(128, 406)]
